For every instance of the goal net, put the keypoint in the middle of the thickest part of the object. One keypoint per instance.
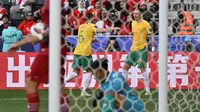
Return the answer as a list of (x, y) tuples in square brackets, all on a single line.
[(112, 14), (182, 52), (183, 56)]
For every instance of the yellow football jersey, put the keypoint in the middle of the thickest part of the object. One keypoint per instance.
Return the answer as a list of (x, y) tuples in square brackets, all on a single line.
[(86, 34), (140, 30)]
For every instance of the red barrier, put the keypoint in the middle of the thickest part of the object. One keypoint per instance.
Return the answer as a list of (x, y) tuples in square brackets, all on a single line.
[(183, 70)]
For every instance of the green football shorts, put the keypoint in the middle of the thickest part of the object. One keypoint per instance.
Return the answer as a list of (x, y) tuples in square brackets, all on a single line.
[(81, 61), (138, 57)]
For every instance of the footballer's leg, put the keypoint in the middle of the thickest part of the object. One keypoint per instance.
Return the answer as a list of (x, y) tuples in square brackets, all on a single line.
[(126, 67), (86, 62), (146, 80), (128, 63), (76, 65), (32, 95), (38, 72), (72, 75), (86, 82), (142, 62)]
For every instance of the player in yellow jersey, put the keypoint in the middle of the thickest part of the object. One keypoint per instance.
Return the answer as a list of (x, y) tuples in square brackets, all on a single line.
[(139, 51), (83, 51)]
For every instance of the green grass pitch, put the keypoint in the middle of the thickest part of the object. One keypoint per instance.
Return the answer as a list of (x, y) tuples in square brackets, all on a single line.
[(178, 100)]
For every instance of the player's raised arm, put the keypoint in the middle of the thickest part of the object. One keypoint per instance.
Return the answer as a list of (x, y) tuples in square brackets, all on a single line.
[(102, 30), (29, 39), (37, 34)]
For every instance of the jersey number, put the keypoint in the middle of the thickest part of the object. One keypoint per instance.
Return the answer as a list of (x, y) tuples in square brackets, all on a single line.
[(81, 39)]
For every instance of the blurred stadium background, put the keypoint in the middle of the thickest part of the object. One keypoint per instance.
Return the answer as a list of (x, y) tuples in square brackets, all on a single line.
[(183, 68)]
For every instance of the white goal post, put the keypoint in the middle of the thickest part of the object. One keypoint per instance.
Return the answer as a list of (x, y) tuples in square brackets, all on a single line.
[(163, 54), (54, 55)]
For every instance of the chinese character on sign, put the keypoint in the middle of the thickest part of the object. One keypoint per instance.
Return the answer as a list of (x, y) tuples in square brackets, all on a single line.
[(68, 68), (21, 68), (134, 72), (93, 82), (177, 69)]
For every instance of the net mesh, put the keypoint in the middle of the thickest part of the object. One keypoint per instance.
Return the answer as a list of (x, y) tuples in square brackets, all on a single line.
[(183, 56), (112, 14)]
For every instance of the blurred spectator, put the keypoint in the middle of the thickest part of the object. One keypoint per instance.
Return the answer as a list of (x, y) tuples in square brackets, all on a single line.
[(185, 23), (72, 5), (154, 7), (3, 11), (126, 27), (76, 17), (104, 22), (123, 11), (96, 10), (67, 29), (154, 20), (133, 4), (92, 3), (112, 5), (189, 47), (114, 17), (20, 6), (147, 15), (87, 3), (118, 12), (188, 44), (153, 1), (70, 47), (4, 25), (112, 45), (26, 25), (11, 36)]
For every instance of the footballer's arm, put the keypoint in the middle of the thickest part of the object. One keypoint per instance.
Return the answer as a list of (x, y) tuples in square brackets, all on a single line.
[(28, 39), (153, 41), (112, 101), (109, 104), (102, 30)]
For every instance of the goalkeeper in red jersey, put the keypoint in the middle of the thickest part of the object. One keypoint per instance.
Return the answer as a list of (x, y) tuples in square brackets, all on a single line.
[(39, 69)]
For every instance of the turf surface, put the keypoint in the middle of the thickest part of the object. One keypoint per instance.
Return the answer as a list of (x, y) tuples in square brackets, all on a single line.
[(179, 101)]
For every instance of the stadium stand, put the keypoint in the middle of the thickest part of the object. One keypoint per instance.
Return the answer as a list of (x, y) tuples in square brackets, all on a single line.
[(37, 4)]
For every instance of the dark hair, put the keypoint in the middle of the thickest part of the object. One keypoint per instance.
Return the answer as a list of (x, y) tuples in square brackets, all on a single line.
[(12, 22), (5, 15), (28, 13), (96, 2), (180, 15), (101, 63), (116, 44), (88, 16)]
